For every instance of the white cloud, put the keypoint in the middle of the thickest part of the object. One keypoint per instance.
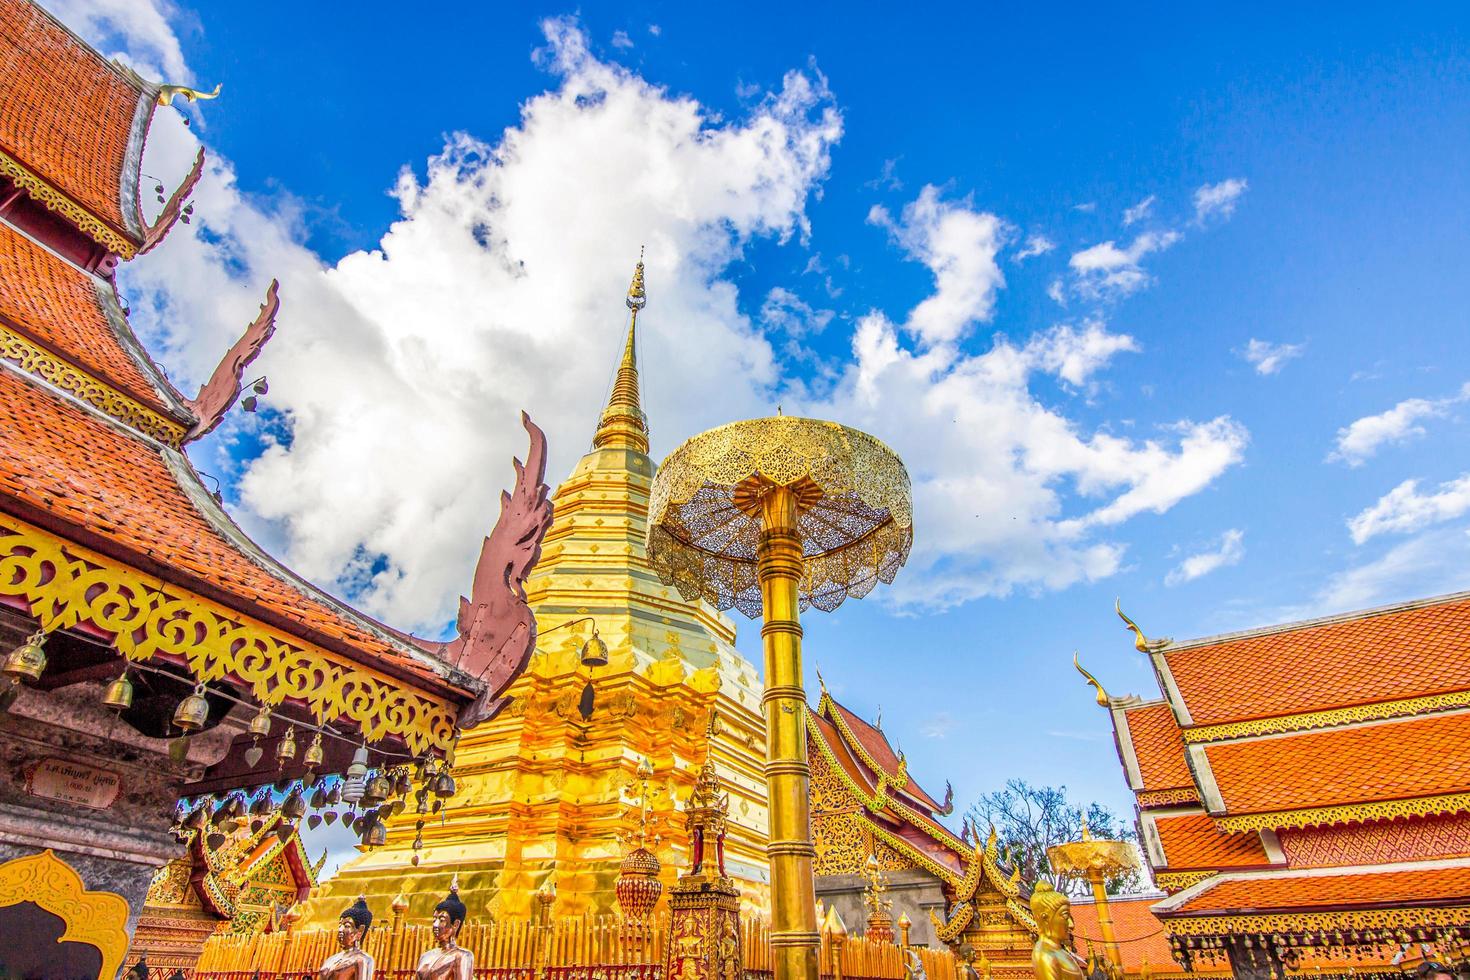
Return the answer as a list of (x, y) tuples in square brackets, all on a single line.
[(1434, 563), (1218, 200), (140, 29), (1358, 442), (1229, 550), (789, 314), (1268, 358), (959, 246), (620, 39), (655, 30), (1057, 291), (941, 725), (1087, 207), (1405, 509), (398, 371), (1107, 271), (1035, 245), (1139, 211)]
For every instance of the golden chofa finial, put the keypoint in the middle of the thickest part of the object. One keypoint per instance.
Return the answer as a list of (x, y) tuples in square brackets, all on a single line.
[(636, 297), (1102, 696), (1140, 642), (167, 93)]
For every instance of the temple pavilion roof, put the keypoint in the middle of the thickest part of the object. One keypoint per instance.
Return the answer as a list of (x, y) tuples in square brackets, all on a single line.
[(72, 125)]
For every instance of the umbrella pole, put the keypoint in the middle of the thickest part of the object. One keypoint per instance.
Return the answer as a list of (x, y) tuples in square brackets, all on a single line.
[(794, 939)]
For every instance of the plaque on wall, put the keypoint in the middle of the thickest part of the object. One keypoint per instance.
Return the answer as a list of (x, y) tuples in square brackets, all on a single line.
[(71, 782)]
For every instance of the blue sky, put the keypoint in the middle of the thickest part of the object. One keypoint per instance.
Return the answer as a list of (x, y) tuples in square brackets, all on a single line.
[(1214, 417)]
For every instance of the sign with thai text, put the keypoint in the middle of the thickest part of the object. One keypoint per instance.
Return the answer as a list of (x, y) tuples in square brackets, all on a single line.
[(73, 782)]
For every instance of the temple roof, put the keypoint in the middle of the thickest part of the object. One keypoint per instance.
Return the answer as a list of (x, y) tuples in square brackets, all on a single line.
[(1190, 841), (74, 122), (871, 750), (1158, 749), (70, 471), (76, 317), (1139, 934), (1332, 889), (1373, 762), (1409, 650)]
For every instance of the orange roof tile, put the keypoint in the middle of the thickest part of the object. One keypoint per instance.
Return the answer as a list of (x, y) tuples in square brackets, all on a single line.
[(56, 304), (1414, 757), (1292, 892), (1159, 747), (69, 466), (1387, 655), (1191, 843), (875, 743), (68, 115), (1140, 935)]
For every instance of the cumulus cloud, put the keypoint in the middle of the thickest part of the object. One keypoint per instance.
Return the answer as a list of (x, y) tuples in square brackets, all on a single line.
[(1361, 440), (621, 40), (1139, 211), (1405, 509), (1227, 551), (788, 313), (1035, 245), (137, 33), (1218, 200), (397, 373), (959, 245), (1106, 271), (1268, 358)]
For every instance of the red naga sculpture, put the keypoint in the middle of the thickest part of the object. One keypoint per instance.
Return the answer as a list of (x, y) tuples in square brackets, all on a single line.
[(497, 630)]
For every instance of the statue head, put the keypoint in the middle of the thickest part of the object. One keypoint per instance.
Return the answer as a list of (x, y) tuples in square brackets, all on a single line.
[(353, 922), (449, 915), (1053, 913)]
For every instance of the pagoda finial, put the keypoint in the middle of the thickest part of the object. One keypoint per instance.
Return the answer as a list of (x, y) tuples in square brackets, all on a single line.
[(622, 425)]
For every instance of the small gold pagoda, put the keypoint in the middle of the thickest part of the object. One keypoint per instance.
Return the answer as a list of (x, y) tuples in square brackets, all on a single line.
[(544, 792)]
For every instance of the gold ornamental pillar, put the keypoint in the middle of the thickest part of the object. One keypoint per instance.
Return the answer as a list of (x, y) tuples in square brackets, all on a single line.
[(770, 516)]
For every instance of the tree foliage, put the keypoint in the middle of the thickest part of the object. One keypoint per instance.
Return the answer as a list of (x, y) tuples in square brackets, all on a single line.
[(1029, 819)]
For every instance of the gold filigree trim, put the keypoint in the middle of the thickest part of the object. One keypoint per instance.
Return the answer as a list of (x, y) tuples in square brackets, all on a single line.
[(74, 381), (1328, 719), (899, 780), (1294, 922), (65, 585), (1351, 813), (55, 200), (96, 918), (1175, 881), (855, 516), (1166, 797)]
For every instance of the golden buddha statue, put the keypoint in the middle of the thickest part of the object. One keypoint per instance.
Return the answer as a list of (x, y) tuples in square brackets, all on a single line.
[(351, 961), (1052, 957), (447, 960)]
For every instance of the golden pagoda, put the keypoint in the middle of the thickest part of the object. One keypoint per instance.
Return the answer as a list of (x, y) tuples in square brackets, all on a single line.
[(546, 790)]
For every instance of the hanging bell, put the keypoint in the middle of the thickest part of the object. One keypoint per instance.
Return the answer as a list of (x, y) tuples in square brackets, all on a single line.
[(594, 651), (377, 835), (193, 711), (313, 756), (286, 749), (119, 694), (260, 725), (378, 789), (293, 807), (27, 661), (444, 785)]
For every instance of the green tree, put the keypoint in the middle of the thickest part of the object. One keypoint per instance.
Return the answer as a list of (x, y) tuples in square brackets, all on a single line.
[(1029, 819)]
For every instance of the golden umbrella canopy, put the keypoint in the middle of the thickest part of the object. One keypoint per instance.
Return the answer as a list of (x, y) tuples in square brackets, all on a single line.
[(854, 511)]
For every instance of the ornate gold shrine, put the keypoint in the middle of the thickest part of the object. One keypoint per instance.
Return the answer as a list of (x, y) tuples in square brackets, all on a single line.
[(97, 918)]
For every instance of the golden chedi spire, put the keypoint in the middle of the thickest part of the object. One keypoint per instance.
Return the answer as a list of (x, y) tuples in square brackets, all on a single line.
[(623, 425)]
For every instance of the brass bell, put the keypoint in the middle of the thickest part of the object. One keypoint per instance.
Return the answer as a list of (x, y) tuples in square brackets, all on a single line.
[(377, 834), (27, 661), (313, 756), (193, 711), (260, 725), (378, 789), (293, 807), (286, 748), (444, 785), (119, 694), (594, 651)]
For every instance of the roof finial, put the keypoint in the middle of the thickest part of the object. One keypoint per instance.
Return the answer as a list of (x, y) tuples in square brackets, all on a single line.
[(878, 722), (622, 425), (1102, 696), (1141, 643)]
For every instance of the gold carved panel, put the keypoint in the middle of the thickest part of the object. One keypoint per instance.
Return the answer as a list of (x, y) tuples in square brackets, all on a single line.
[(97, 918)]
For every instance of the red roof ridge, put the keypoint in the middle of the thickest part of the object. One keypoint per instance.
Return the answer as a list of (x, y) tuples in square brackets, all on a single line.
[(1328, 620), (1172, 906), (898, 777)]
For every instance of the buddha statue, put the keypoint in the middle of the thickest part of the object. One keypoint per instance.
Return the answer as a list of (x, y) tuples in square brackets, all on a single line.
[(1052, 957), (447, 960), (350, 962)]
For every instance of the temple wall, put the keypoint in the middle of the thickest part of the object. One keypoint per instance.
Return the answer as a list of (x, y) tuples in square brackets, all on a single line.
[(914, 893)]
